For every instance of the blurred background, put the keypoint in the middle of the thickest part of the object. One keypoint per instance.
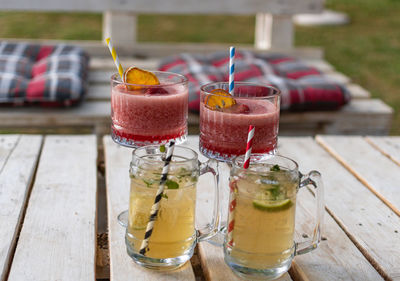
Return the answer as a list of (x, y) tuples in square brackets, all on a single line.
[(367, 49)]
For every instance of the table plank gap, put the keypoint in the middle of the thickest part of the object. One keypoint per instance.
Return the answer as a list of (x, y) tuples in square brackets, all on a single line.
[(117, 159), (355, 209), (8, 145), (296, 273), (18, 155), (364, 251), (388, 146), (336, 250), (373, 179), (58, 237)]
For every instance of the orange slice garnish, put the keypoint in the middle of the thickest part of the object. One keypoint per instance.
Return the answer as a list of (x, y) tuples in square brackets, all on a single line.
[(134, 75), (219, 99)]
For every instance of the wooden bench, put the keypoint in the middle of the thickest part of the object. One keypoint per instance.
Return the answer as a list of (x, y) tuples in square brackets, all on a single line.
[(363, 115), (274, 26), (274, 32)]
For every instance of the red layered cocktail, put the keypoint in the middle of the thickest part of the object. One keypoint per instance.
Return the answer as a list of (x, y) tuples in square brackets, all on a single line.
[(225, 120), (149, 114)]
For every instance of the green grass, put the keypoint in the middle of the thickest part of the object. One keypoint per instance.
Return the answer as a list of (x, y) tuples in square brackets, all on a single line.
[(367, 50)]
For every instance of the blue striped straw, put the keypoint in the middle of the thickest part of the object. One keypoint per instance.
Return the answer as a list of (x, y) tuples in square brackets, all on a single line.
[(156, 204), (231, 70)]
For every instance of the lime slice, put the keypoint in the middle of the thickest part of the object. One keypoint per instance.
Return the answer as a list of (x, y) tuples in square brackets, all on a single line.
[(272, 206)]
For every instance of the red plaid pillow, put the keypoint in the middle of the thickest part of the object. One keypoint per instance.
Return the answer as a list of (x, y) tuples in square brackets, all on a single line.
[(303, 87), (41, 74)]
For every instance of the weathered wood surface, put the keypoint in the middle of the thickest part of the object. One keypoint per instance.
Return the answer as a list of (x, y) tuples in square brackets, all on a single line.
[(18, 158), (368, 222), (86, 114), (377, 172), (274, 26), (58, 237), (117, 159), (389, 146), (337, 255), (161, 49), (172, 6)]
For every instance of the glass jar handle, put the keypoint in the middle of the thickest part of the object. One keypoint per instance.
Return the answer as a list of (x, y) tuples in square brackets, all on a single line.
[(313, 179), (211, 166)]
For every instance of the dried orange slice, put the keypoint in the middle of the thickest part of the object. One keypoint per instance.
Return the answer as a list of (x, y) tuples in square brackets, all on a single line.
[(219, 99), (134, 75)]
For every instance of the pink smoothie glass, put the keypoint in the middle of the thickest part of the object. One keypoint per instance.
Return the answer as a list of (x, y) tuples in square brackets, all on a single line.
[(149, 114), (223, 131)]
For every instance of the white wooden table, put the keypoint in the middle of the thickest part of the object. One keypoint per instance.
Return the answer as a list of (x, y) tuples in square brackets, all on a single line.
[(49, 207)]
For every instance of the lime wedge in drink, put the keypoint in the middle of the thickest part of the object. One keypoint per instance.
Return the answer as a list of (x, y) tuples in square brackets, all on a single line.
[(272, 205)]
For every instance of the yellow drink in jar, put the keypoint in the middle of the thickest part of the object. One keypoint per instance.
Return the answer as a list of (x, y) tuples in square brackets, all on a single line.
[(174, 230), (264, 219)]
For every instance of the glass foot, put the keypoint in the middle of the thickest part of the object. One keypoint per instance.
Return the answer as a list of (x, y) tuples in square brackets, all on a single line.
[(123, 218)]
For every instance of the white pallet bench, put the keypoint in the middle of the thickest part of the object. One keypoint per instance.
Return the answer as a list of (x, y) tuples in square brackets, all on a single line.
[(363, 115), (274, 25)]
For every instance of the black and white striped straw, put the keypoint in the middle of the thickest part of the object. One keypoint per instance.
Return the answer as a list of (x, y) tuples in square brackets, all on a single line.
[(156, 205)]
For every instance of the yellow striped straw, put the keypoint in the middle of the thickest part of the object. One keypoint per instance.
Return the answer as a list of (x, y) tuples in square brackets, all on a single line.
[(115, 58)]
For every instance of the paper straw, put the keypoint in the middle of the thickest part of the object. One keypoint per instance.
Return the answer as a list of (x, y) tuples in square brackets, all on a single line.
[(232, 198), (250, 136), (115, 58), (232, 206), (231, 70), (156, 204)]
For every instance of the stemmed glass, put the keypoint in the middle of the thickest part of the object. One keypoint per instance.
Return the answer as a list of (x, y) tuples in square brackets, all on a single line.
[(149, 114), (223, 130)]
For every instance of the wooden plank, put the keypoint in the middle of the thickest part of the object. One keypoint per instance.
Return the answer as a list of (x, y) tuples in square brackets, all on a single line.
[(161, 49), (99, 92), (336, 257), (173, 6), (58, 237), (320, 64), (101, 76), (86, 114), (106, 63), (362, 117), (358, 92), (121, 27), (274, 31), (18, 159), (117, 159), (389, 146), (374, 170), (338, 77), (211, 257), (364, 218)]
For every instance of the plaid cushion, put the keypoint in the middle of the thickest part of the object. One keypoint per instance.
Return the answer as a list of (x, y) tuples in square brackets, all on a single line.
[(41, 74), (303, 87)]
